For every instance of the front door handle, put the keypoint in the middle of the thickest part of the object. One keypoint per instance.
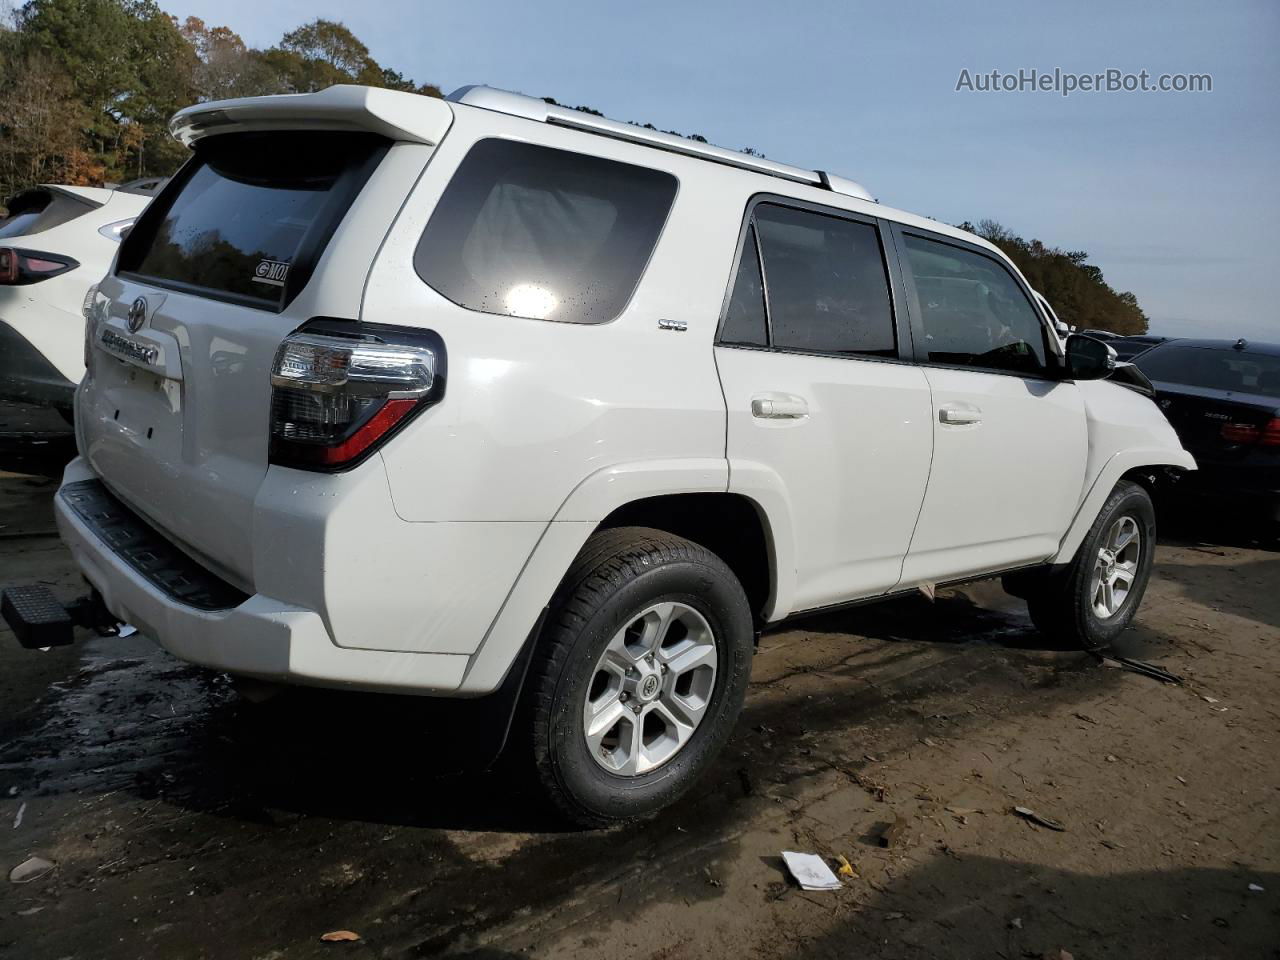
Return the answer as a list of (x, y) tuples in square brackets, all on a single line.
[(778, 406), (959, 413)]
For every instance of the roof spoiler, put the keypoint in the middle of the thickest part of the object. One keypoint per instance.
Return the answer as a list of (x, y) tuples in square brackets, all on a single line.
[(391, 113)]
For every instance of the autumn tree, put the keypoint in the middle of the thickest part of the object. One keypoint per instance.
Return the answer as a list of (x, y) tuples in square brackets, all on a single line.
[(1076, 288)]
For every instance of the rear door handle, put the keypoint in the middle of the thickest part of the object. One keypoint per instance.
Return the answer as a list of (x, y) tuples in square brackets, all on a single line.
[(958, 413), (778, 406)]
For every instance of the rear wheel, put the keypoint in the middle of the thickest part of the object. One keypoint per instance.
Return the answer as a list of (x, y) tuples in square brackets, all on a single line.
[(639, 676), (1096, 596)]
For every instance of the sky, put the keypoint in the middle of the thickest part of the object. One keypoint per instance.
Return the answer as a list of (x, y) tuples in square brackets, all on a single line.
[(1174, 195)]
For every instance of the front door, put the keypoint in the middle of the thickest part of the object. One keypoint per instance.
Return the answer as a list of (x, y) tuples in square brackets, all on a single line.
[(1010, 440)]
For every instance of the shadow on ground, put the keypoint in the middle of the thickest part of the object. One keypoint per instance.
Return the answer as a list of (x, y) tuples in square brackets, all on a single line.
[(998, 908)]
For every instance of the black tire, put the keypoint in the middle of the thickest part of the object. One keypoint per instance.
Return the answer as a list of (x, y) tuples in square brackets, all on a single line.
[(1061, 606), (618, 574)]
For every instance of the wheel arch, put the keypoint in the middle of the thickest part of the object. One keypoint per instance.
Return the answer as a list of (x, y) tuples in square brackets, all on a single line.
[(687, 497), (1139, 466)]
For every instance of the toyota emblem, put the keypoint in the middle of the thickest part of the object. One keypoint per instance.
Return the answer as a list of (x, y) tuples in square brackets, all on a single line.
[(137, 315)]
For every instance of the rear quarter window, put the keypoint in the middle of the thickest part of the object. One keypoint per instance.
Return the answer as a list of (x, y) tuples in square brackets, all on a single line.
[(38, 210), (531, 231), (248, 217)]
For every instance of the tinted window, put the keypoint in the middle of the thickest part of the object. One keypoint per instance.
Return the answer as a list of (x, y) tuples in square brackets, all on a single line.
[(744, 321), (973, 311), (1205, 367), (529, 231), (18, 224), (38, 210), (251, 215), (825, 281)]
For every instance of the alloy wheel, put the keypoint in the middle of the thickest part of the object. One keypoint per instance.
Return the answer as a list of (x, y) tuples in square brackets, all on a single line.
[(650, 689), (1116, 567)]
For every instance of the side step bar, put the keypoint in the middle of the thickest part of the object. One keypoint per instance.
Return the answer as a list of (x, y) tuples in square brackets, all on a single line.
[(38, 619)]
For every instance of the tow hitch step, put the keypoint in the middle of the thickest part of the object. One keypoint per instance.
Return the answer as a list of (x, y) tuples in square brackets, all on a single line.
[(39, 619)]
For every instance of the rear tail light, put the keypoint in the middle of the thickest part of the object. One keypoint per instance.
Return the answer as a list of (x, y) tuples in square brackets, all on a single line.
[(1271, 433), (338, 391), (18, 267), (1267, 435)]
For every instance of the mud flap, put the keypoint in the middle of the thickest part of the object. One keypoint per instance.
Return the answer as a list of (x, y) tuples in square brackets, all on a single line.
[(489, 718)]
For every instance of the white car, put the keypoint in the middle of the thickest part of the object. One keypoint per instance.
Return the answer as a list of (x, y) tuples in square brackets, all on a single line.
[(55, 242), (490, 397)]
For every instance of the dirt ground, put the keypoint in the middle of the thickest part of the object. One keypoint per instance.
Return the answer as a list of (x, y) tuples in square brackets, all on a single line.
[(184, 822)]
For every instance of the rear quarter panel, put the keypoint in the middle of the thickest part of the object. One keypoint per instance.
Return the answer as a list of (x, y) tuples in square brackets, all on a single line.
[(534, 407)]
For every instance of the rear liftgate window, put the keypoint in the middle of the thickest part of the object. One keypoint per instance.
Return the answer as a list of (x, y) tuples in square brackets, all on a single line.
[(249, 216), (530, 231)]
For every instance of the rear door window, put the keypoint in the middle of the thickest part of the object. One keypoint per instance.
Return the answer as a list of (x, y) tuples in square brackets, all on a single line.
[(825, 282), (745, 322), (250, 214), (973, 312), (531, 231)]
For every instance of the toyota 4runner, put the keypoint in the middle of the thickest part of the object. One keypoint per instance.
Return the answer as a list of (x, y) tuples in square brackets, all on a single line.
[(490, 397)]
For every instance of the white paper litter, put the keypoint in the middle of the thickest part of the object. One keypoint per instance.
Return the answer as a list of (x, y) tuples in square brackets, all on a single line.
[(810, 871)]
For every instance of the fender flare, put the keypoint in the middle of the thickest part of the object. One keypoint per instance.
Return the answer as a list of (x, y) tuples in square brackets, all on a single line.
[(1106, 480), (593, 499)]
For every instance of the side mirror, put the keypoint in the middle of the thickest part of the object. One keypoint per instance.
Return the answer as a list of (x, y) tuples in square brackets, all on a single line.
[(1089, 358)]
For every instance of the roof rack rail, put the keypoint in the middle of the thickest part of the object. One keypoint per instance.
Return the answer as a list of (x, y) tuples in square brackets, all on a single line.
[(531, 108)]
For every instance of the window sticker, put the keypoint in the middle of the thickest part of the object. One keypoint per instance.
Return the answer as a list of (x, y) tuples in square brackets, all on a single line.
[(274, 272)]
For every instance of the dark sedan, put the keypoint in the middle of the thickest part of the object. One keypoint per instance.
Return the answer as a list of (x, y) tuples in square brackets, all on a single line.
[(1223, 398)]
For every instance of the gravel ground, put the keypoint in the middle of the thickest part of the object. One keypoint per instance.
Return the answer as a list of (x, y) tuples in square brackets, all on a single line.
[(184, 822)]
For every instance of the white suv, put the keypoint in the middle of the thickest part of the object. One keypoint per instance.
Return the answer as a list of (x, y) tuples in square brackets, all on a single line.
[(490, 397)]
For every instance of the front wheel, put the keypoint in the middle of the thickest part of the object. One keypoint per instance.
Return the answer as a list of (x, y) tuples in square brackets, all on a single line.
[(1090, 602), (639, 675)]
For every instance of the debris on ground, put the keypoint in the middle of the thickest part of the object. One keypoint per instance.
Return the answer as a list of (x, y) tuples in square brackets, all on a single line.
[(846, 868), (17, 820), (1085, 717), (1141, 667), (810, 871), (1028, 814), (338, 936), (1257, 888), (895, 833), (1015, 923), (33, 868)]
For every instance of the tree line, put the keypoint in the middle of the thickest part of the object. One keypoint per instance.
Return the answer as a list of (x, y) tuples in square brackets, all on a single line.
[(87, 88), (1076, 288)]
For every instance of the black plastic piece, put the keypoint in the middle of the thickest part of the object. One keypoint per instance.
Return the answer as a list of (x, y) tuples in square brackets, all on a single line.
[(146, 551), (27, 376), (36, 617)]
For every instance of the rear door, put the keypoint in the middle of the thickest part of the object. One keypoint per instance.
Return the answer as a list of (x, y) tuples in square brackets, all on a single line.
[(1010, 440), (174, 412), (820, 401)]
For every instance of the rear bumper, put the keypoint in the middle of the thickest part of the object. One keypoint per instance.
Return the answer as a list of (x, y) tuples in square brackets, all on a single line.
[(260, 637), (26, 376)]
